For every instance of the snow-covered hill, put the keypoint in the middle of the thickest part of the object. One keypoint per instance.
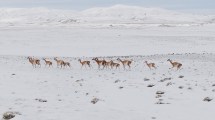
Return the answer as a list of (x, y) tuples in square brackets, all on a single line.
[(118, 14), (37, 16), (133, 14)]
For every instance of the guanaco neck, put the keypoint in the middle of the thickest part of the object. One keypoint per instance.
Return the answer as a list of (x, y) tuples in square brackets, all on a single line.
[(121, 61), (98, 61), (146, 63), (30, 60), (57, 60), (80, 61), (171, 62)]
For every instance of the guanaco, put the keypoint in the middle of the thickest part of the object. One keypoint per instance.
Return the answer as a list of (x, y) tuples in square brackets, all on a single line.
[(125, 62), (34, 62), (100, 62), (47, 62), (116, 65), (150, 65), (175, 64), (59, 62), (65, 64), (84, 63), (108, 64), (104, 63), (37, 62)]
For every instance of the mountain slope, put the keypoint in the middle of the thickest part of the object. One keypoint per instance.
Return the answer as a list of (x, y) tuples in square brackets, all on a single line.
[(115, 14)]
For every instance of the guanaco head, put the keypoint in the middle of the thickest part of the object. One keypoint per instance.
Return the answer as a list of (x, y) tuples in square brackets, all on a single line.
[(30, 58), (79, 60), (95, 58), (118, 59), (169, 60), (55, 58), (146, 61)]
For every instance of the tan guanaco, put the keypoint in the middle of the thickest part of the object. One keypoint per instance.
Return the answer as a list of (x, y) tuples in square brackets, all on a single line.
[(47, 62), (59, 62), (116, 65), (34, 62), (175, 64), (65, 64), (100, 62), (150, 65), (84, 63), (125, 62)]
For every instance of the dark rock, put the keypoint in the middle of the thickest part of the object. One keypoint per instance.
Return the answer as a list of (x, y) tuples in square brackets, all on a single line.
[(153, 117), (158, 96), (169, 83), (94, 100), (150, 85), (165, 79), (159, 102), (180, 87), (121, 87), (181, 76), (8, 115), (189, 88), (160, 92), (79, 80), (41, 100), (207, 99), (146, 79), (116, 81)]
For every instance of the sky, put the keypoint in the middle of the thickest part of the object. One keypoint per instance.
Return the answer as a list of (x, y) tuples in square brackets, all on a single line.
[(85, 4)]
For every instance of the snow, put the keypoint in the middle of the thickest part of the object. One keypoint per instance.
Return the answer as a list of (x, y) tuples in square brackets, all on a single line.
[(95, 41), (109, 33), (67, 99), (116, 14)]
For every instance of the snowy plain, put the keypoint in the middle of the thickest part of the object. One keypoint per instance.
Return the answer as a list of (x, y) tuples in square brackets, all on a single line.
[(125, 32)]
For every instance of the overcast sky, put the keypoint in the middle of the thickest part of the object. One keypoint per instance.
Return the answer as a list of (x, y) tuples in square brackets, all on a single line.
[(84, 4)]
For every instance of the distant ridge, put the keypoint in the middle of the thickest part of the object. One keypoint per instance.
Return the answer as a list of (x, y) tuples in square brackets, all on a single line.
[(114, 14)]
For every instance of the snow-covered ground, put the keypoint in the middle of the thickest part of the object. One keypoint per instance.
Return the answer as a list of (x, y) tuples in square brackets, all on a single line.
[(123, 95), (92, 41), (108, 33)]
